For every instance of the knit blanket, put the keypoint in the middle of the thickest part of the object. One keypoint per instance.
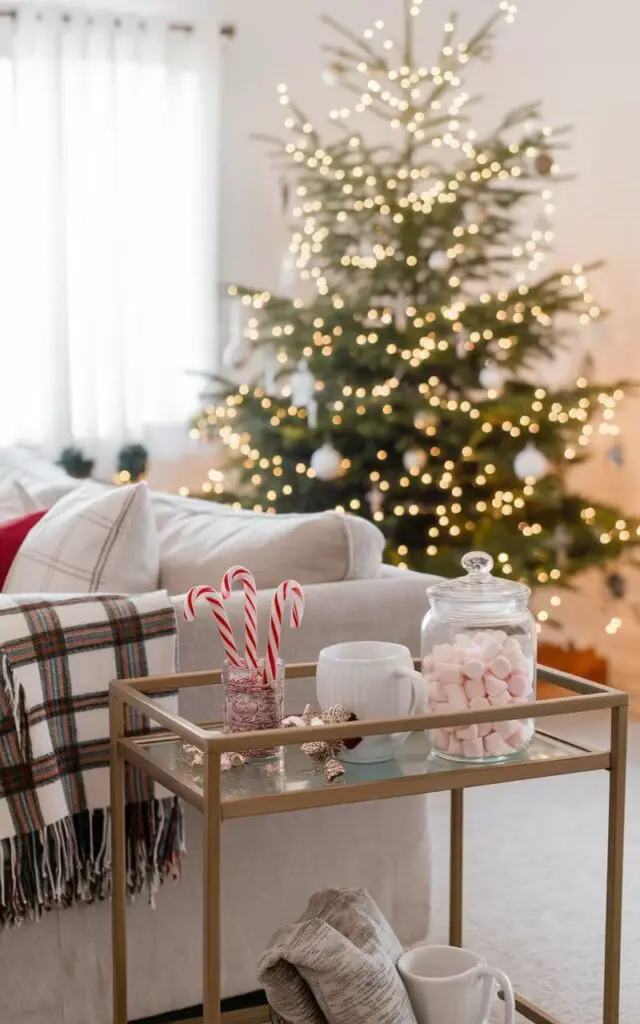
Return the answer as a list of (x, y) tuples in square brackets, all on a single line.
[(57, 658)]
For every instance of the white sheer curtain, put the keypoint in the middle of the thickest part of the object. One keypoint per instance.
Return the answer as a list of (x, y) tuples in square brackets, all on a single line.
[(105, 227)]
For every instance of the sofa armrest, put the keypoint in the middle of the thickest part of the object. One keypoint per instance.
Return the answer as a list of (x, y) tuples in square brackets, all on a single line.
[(387, 608)]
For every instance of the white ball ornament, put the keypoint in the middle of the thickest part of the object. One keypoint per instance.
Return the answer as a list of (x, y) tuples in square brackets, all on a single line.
[(329, 77), (325, 462), (414, 458), (492, 377), (438, 260), (530, 463)]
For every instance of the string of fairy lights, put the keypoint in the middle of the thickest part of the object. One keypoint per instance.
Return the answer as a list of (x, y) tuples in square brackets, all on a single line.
[(398, 93)]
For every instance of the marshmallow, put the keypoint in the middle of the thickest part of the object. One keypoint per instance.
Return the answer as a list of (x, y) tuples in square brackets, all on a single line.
[(506, 729), (495, 746), (463, 641), (441, 740), (450, 674), (511, 648), (500, 699), (470, 732), (436, 690), (473, 748), (479, 703), (491, 646), (517, 737), (474, 688), (442, 653), (455, 746), (493, 685), (517, 684), (456, 697), (484, 728), (473, 668), (427, 664), (500, 666)]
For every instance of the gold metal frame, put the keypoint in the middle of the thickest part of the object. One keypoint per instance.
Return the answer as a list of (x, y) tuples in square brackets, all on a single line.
[(586, 696)]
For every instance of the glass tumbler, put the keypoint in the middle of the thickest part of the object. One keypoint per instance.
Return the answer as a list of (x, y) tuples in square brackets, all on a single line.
[(249, 703)]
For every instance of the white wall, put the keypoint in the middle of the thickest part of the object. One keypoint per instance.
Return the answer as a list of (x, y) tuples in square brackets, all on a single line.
[(579, 58)]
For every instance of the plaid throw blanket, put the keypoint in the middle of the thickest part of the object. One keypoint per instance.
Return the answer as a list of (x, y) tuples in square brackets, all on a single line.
[(57, 658)]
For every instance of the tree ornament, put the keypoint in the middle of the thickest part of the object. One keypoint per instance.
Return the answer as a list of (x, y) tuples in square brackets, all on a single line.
[(414, 458), (236, 353), (312, 414), (424, 420), (461, 346), (400, 312), (375, 498), (530, 463), (326, 461), (616, 455), (331, 75), (492, 377), (617, 585), (544, 164), (303, 385), (561, 541), (288, 273), (438, 260)]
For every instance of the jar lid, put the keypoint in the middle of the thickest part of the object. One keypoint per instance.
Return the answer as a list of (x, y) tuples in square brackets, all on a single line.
[(479, 584)]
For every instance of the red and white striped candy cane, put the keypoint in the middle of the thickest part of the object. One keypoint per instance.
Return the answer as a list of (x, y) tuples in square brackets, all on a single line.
[(218, 610), (290, 588), (238, 572)]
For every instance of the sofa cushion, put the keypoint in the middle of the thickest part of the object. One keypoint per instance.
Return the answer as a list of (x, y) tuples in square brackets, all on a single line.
[(199, 540), (90, 543), (44, 481), (12, 535)]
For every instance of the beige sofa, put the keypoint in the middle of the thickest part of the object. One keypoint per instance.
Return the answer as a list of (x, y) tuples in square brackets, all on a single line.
[(58, 970)]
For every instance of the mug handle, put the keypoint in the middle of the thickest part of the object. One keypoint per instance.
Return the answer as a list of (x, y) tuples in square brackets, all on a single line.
[(417, 681), (507, 991)]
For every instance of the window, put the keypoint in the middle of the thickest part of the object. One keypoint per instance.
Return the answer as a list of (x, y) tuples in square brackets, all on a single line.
[(106, 227)]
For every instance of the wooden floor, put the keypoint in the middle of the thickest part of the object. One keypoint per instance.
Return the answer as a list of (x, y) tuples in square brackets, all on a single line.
[(250, 1016)]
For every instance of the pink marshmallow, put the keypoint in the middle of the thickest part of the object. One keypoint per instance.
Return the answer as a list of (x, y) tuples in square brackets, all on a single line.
[(506, 729), (494, 685), (441, 740), (436, 690), (450, 674), (455, 746), (473, 668), (517, 684), (495, 746), (500, 699), (512, 648), (474, 688), (479, 703), (516, 739), (442, 653), (427, 664), (491, 647), (470, 732), (473, 748), (500, 666), (456, 697), (484, 728), (463, 641)]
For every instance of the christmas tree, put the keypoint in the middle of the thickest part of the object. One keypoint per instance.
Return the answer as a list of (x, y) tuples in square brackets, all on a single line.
[(405, 381)]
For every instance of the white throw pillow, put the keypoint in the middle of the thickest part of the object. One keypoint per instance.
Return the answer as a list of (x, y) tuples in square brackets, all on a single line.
[(15, 500), (199, 540), (90, 544)]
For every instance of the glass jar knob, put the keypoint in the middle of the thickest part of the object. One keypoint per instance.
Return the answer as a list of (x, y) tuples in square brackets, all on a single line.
[(477, 563)]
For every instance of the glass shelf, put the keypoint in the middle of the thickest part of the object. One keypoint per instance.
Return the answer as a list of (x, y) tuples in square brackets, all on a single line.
[(244, 789)]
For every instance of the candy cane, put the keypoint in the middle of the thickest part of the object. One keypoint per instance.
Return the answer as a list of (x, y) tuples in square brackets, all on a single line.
[(237, 572), (214, 598), (289, 587)]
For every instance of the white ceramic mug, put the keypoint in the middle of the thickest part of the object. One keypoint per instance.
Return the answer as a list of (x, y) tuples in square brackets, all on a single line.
[(373, 679), (448, 985)]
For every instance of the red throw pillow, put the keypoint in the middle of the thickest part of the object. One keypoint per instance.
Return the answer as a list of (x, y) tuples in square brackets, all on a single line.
[(12, 534)]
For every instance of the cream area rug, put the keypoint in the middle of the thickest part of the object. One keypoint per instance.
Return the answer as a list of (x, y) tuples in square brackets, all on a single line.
[(535, 855)]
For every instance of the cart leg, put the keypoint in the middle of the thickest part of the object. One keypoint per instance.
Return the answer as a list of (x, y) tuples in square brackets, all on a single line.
[(613, 926), (118, 865), (456, 867), (211, 891)]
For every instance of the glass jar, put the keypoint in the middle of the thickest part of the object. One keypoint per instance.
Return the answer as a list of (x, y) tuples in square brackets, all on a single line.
[(479, 651), (250, 703)]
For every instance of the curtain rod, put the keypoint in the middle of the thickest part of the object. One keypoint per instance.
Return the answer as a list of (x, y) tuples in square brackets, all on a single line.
[(228, 31)]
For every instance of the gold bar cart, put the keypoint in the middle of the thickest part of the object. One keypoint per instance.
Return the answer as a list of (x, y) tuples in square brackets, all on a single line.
[(185, 759)]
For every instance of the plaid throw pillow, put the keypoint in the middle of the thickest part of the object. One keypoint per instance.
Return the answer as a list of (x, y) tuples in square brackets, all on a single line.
[(88, 544)]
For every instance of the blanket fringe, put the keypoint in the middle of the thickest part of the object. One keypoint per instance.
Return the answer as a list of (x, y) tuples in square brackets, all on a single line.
[(70, 861)]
